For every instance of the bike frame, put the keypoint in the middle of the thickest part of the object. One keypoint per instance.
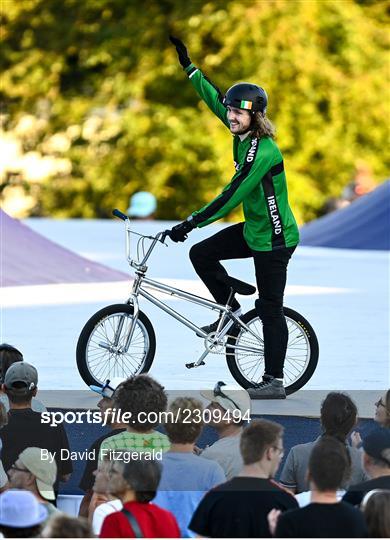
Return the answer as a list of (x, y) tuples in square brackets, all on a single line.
[(212, 341)]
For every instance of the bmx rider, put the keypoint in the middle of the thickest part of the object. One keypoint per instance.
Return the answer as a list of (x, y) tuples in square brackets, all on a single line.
[(269, 234)]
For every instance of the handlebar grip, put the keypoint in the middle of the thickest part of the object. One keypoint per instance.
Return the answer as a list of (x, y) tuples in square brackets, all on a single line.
[(164, 235), (117, 213)]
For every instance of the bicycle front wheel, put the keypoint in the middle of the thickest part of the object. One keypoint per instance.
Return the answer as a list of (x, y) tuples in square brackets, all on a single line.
[(101, 348), (246, 361)]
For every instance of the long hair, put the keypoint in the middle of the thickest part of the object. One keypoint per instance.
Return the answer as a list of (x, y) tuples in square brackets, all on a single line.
[(338, 415), (375, 509), (262, 127)]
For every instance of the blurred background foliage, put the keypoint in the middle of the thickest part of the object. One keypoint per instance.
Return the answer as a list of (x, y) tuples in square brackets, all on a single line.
[(96, 106)]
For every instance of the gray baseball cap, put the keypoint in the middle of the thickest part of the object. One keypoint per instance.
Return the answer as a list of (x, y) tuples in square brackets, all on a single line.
[(21, 377)]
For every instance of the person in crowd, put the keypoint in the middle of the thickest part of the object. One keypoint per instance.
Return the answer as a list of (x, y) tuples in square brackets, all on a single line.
[(325, 516), (239, 507), (106, 402), (63, 526), (142, 205), (381, 416), (25, 428), (338, 417), (229, 409), (185, 476), (382, 411), (8, 356), (376, 462), (361, 183), (3, 476), (376, 510), (32, 473), (103, 502), (21, 515), (141, 396), (135, 483)]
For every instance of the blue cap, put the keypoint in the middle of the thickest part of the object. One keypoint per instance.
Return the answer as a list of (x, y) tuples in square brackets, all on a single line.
[(142, 204), (377, 444)]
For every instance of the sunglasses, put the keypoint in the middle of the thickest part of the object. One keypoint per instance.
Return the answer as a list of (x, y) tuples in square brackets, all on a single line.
[(218, 392), (380, 403), (15, 468)]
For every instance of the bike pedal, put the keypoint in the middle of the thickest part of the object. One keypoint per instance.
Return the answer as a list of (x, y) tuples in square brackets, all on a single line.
[(192, 365)]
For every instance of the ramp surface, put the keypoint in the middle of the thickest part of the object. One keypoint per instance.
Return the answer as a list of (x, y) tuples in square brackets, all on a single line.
[(364, 224), (28, 258)]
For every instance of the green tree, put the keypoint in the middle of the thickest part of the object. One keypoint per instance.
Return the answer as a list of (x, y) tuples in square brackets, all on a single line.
[(108, 104)]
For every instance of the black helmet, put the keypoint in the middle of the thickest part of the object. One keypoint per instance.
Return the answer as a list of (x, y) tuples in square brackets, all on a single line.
[(247, 96)]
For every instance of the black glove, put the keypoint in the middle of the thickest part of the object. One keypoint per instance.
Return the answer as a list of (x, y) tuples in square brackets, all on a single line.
[(181, 50), (179, 233)]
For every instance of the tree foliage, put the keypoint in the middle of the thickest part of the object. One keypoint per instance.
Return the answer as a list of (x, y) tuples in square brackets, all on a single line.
[(96, 88)]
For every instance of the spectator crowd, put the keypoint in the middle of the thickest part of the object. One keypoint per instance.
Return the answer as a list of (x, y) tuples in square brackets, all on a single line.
[(337, 486)]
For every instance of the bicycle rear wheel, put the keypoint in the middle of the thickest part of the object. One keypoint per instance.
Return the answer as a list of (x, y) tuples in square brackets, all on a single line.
[(247, 367), (100, 350)]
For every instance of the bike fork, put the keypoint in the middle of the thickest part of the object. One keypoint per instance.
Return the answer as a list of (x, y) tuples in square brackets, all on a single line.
[(134, 301)]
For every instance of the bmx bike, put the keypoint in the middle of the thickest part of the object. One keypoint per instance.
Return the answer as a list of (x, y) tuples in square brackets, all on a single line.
[(119, 340)]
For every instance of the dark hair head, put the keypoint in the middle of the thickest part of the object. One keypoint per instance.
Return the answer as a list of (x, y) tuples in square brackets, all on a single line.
[(21, 532), (329, 464), (183, 425), (257, 437), (141, 394), (8, 356), (338, 415), (377, 515), (143, 477), (62, 526), (20, 399)]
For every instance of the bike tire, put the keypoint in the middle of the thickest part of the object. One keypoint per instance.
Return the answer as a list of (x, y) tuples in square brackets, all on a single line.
[(308, 334), (91, 328)]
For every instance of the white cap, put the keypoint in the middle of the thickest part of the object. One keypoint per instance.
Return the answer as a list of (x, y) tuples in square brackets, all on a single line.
[(20, 508), (229, 397), (45, 472)]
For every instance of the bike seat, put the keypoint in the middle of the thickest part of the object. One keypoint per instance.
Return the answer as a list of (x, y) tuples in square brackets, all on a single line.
[(238, 286)]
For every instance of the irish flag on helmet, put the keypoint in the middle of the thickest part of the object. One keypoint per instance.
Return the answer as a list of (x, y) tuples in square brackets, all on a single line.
[(246, 104)]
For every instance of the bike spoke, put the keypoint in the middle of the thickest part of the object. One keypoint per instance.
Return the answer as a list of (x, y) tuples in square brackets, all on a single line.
[(105, 362), (251, 364)]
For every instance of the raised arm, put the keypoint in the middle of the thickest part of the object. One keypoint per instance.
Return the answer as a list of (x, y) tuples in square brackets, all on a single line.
[(210, 93)]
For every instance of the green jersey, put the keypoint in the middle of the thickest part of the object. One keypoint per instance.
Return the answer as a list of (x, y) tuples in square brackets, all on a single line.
[(259, 183), (136, 442)]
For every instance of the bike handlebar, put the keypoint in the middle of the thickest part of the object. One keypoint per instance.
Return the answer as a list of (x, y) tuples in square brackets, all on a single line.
[(164, 234), (161, 236), (117, 213)]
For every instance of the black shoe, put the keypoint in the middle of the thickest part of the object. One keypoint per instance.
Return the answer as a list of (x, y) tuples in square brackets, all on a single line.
[(269, 388), (213, 326)]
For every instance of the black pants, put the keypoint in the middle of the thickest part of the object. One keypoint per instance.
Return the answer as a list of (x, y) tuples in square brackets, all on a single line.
[(271, 275)]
